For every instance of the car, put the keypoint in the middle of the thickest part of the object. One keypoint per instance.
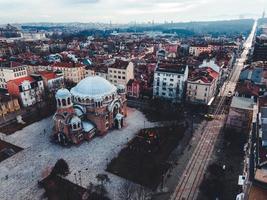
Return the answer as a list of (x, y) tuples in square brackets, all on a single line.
[(209, 117)]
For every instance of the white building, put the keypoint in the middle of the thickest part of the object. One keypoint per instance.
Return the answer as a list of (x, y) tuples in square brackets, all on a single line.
[(29, 90), (197, 50), (11, 73), (202, 85), (169, 82)]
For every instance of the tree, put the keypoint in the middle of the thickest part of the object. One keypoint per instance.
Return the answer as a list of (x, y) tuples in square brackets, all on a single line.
[(103, 179), (61, 168), (130, 191)]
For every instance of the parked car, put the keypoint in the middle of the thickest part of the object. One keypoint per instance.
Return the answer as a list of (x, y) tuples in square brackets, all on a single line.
[(209, 117)]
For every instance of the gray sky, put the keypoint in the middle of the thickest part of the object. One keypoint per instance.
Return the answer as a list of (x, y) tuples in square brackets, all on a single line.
[(122, 11)]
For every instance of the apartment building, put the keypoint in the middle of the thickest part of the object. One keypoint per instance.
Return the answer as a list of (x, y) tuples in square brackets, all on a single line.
[(73, 72), (202, 85), (120, 72), (197, 50), (28, 89), (169, 81), (15, 71)]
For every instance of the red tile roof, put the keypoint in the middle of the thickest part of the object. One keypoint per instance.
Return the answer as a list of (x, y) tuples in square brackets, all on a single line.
[(205, 74), (48, 75), (19, 81), (67, 64)]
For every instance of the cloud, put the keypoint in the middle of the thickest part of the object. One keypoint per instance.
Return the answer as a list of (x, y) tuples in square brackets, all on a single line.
[(124, 10)]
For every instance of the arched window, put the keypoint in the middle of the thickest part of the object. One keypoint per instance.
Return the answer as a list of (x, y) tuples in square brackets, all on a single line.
[(69, 101), (79, 99), (74, 126), (58, 102), (64, 102)]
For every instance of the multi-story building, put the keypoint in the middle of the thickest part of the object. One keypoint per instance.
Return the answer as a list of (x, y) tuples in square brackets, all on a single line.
[(8, 105), (197, 50), (28, 89), (202, 85), (52, 80), (10, 73), (73, 72), (241, 113), (133, 88), (260, 49), (169, 81), (120, 72)]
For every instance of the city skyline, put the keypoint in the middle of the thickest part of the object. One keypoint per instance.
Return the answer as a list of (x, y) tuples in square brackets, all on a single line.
[(126, 11)]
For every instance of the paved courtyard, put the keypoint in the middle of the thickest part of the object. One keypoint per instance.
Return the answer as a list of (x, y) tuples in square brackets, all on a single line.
[(19, 174)]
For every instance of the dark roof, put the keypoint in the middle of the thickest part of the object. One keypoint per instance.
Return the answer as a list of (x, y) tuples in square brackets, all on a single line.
[(171, 68), (120, 64)]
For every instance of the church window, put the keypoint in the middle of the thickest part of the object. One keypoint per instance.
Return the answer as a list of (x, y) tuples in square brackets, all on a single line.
[(64, 102), (59, 102), (68, 100)]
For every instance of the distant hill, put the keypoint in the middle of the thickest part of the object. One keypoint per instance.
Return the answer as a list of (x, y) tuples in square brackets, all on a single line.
[(227, 27)]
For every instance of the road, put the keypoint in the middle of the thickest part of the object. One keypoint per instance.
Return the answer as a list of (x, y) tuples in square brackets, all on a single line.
[(188, 185)]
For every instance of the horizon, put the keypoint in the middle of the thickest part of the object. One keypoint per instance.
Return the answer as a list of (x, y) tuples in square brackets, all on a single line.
[(127, 11), (137, 23)]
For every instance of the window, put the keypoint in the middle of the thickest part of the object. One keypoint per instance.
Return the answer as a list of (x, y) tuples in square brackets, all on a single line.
[(68, 100), (64, 102), (123, 77), (171, 79), (119, 77)]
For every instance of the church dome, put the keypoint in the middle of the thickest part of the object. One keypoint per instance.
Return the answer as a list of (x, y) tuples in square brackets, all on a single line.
[(63, 93), (93, 87)]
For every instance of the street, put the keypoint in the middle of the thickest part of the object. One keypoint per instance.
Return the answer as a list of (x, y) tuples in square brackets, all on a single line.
[(188, 185)]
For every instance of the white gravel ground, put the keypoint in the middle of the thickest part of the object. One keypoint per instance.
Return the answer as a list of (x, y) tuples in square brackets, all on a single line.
[(26, 167)]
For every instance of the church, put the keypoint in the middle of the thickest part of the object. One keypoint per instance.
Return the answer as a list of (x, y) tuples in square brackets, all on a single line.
[(92, 107)]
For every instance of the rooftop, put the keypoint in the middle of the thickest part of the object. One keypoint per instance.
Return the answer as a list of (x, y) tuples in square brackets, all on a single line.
[(120, 64), (171, 68), (19, 81), (204, 74), (242, 103)]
